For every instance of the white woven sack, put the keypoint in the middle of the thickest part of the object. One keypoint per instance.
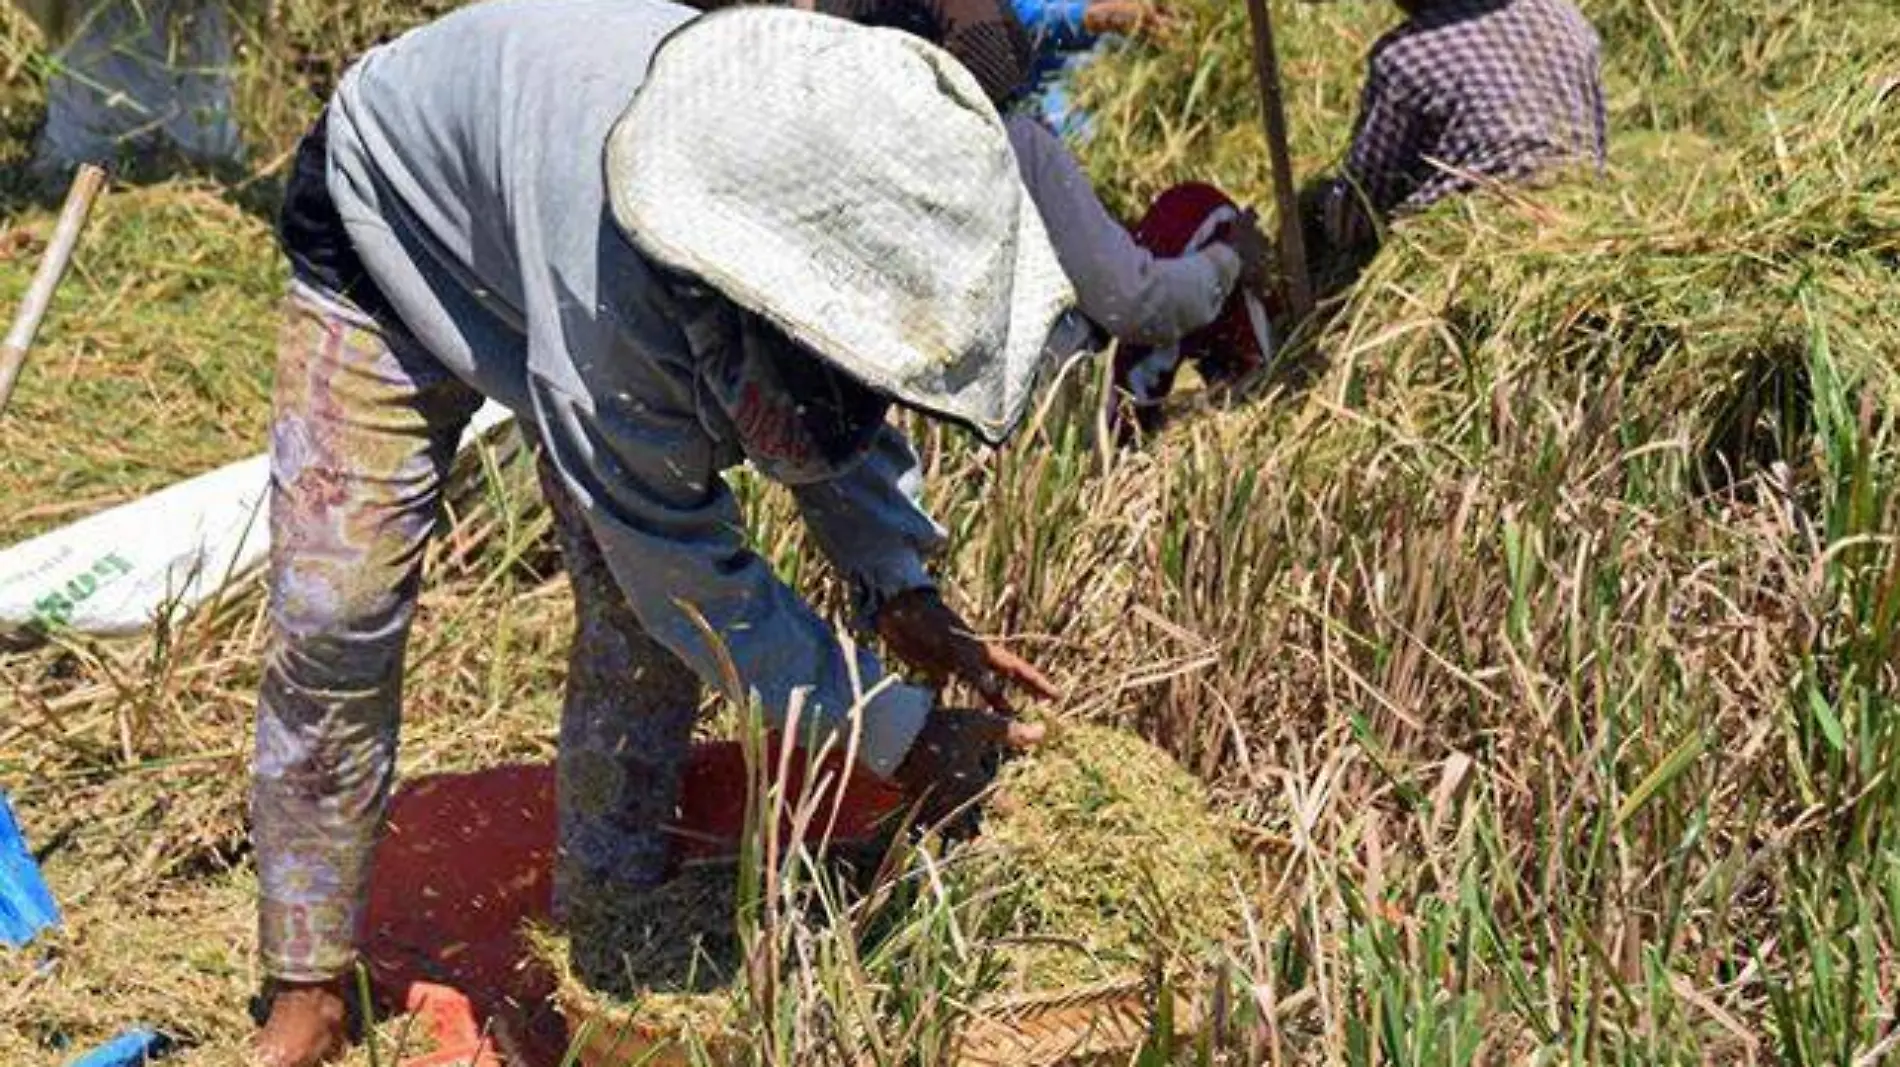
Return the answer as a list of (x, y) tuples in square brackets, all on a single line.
[(154, 559), (856, 188)]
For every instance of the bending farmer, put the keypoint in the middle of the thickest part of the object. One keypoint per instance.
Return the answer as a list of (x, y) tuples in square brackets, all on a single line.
[(671, 244)]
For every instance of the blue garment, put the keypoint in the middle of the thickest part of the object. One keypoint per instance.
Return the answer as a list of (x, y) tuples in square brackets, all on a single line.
[(26, 906), (1057, 104), (1063, 47), (134, 1048), (1056, 27)]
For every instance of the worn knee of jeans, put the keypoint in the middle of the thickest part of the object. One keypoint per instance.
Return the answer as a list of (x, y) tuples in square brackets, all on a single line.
[(626, 730)]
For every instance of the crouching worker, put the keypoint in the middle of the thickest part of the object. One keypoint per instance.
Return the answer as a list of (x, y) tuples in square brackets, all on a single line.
[(671, 244), (1462, 94), (1160, 289), (1147, 294)]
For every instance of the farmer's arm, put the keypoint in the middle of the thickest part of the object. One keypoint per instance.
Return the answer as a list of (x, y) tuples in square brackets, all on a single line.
[(871, 524), (1128, 290), (1126, 18), (672, 534), (1075, 25)]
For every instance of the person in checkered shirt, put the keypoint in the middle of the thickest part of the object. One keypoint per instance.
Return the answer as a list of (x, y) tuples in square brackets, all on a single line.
[(1463, 94)]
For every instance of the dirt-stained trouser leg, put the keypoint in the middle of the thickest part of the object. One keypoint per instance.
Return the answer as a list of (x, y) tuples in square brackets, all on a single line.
[(364, 428), (626, 727)]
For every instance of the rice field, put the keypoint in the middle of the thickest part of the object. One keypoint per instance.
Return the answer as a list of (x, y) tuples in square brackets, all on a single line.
[(1536, 626)]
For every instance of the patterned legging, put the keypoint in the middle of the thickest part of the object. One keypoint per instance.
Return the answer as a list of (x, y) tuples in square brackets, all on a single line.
[(364, 429)]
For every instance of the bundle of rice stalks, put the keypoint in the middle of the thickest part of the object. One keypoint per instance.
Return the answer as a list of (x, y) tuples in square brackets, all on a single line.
[(1694, 279), (1692, 274)]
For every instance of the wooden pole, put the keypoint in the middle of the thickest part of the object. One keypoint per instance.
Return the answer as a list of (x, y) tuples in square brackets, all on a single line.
[(39, 295), (1273, 116)]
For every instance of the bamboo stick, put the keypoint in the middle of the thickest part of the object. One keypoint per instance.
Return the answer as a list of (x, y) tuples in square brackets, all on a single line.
[(39, 295), (1273, 116)]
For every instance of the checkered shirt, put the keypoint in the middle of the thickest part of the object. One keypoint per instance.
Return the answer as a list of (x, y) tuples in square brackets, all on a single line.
[(1467, 91)]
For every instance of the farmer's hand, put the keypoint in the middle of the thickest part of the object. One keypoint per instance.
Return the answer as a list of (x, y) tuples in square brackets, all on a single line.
[(1255, 252), (1126, 18), (956, 755), (922, 631)]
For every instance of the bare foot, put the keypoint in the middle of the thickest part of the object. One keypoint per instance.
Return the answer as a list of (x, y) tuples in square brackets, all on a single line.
[(308, 1026)]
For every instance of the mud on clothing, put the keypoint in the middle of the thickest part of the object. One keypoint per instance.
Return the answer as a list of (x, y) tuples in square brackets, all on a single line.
[(463, 162)]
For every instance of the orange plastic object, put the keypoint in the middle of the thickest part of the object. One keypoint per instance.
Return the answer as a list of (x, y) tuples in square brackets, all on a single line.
[(713, 802), (467, 859), (450, 1020)]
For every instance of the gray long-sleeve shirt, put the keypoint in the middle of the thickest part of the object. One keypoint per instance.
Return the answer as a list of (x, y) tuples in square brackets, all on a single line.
[(1135, 295), (466, 163)]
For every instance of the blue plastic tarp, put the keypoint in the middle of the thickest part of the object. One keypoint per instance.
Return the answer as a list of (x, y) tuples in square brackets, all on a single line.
[(134, 1048), (26, 906)]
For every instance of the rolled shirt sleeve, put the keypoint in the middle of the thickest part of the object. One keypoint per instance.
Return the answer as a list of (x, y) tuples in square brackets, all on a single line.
[(1130, 292), (871, 524), (670, 530)]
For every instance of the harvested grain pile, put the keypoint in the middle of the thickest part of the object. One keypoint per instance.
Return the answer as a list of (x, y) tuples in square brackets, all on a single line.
[(1104, 852), (1098, 857), (665, 957)]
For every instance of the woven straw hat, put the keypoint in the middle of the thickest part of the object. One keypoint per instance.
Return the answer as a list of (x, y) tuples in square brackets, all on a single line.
[(854, 187)]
